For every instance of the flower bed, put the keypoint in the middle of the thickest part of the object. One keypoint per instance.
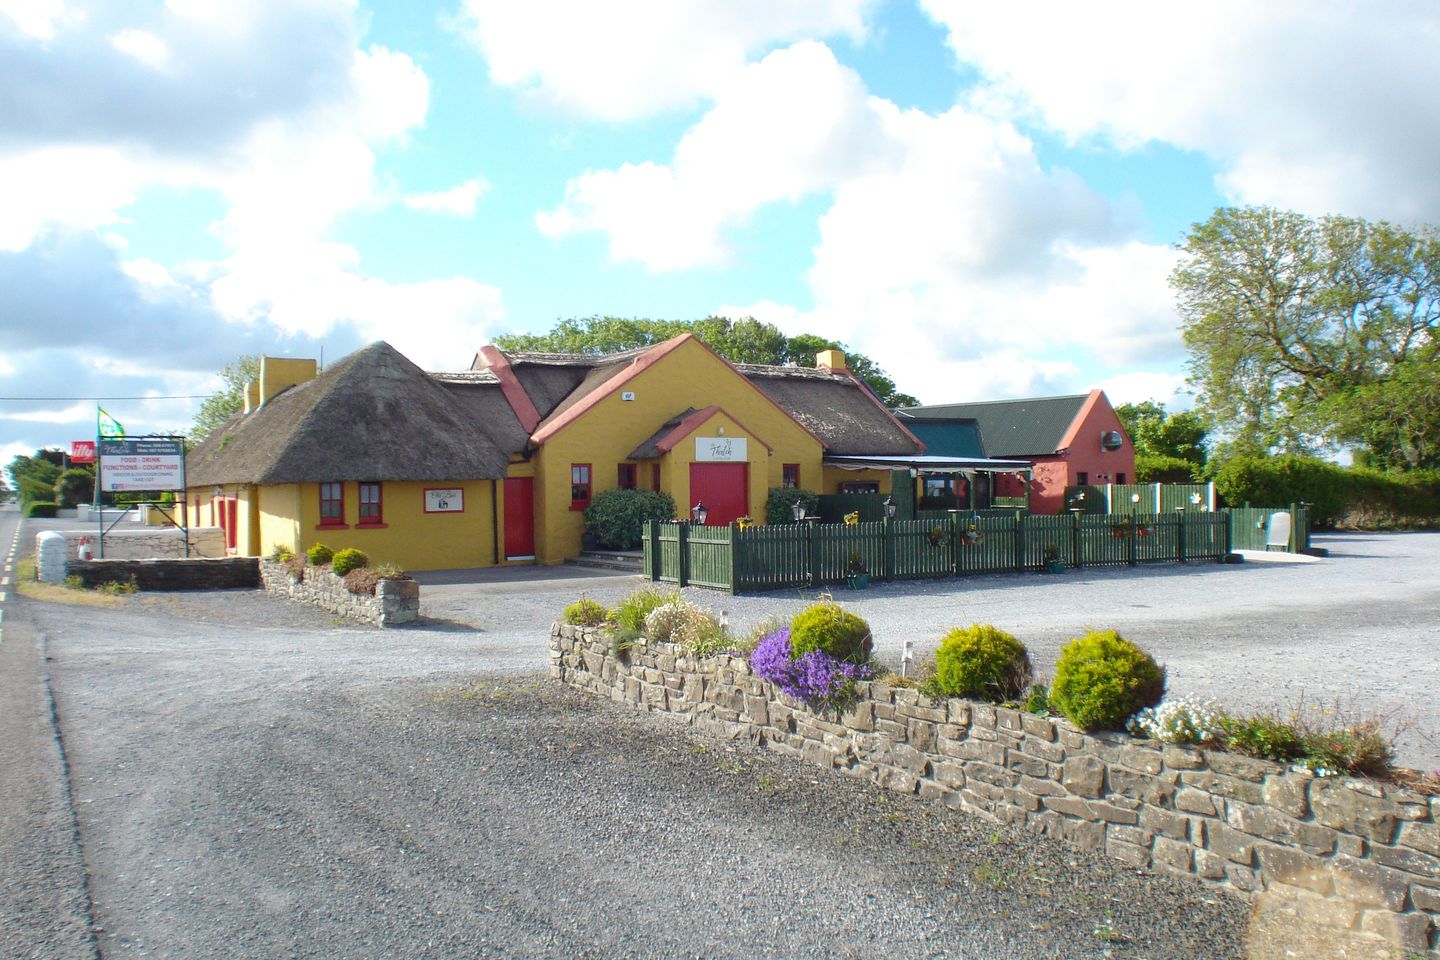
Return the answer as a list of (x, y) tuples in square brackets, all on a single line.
[(1357, 859)]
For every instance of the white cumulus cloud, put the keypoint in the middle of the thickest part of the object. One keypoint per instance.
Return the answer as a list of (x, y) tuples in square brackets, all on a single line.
[(1325, 108), (459, 201), (635, 58)]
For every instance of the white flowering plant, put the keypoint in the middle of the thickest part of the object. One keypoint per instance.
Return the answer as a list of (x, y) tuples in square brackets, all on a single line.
[(1183, 720)]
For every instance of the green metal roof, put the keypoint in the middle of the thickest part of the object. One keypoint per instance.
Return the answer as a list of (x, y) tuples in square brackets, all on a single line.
[(1008, 428), (948, 438)]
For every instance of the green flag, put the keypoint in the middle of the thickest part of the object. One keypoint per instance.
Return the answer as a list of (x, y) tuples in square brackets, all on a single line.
[(108, 426)]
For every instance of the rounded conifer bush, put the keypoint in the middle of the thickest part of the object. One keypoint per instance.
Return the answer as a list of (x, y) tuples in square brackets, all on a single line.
[(831, 629), (1102, 678), (347, 560), (983, 663), (319, 555)]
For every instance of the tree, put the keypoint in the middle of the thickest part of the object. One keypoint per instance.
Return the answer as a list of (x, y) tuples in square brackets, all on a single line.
[(1169, 447), (1291, 322), (35, 476), (740, 341), (229, 399)]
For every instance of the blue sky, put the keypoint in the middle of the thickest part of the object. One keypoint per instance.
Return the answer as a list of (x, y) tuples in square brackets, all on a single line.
[(984, 198)]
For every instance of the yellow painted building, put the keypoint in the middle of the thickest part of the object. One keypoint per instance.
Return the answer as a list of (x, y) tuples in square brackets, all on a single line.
[(496, 464)]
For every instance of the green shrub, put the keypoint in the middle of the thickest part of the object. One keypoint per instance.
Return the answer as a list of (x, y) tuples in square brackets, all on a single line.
[(780, 501), (586, 613), (75, 486), (634, 608), (827, 627), (1102, 678), (1037, 700), (347, 560), (1160, 468), (1263, 735), (616, 518), (40, 509), (983, 663), (1338, 496), (319, 555), (281, 553)]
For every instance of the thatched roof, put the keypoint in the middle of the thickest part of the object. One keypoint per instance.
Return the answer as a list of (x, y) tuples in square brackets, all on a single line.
[(836, 408), (372, 416), (1012, 428), (650, 448)]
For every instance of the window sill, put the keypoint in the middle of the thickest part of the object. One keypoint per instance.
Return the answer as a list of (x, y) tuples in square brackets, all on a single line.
[(372, 526), (332, 526), (579, 504)]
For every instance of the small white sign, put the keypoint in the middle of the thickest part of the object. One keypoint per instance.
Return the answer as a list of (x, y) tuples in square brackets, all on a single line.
[(721, 449), (449, 500)]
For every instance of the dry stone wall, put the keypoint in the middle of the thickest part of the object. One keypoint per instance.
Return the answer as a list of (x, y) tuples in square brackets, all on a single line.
[(395, 601), (1350, 862)]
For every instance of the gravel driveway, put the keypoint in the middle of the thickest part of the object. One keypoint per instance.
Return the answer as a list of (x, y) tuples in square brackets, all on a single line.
[(1358, 631), (252, 780)]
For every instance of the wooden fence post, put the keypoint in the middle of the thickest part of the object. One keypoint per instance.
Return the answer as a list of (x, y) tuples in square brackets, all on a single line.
[(956, 564), (814, 543), (682, 535), (1075, 540), (734, 557), (652, 539), (1181, 518), (1019, 541), (1134, 536), (888, 550)]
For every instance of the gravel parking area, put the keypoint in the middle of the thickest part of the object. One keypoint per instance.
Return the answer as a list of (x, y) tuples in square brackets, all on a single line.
[(252, 780), (1358, 631)]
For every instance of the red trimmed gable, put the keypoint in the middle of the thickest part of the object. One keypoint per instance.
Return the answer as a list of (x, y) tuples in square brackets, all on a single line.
[(698, 419), (510, 386)]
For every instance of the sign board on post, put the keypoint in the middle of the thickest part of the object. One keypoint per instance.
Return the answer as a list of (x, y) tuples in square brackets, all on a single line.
[(721, 449), (82, 451), (447, 500), (138, 464)]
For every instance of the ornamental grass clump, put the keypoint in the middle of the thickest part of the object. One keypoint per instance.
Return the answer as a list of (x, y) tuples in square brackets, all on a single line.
[(829, 628), (631, 612), (1102, 678), (816, 677), (983, 663), (585, 613)]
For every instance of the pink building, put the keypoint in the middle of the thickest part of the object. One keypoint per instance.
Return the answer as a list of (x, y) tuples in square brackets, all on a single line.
[(1072, 441)]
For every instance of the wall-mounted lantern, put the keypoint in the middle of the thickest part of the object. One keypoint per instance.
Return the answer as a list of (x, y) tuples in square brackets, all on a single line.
[(699, 513), (797, 510), (888, 505)]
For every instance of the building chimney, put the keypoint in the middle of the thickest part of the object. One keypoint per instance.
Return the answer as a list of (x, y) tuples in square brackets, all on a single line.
[(831, 360), (252, 395), (278, 373)]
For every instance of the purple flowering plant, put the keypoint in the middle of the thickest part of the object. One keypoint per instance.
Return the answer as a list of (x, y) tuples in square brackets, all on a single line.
[(817, 678)]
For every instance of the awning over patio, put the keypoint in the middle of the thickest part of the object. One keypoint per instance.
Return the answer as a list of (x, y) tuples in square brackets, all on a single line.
[(930, 464)]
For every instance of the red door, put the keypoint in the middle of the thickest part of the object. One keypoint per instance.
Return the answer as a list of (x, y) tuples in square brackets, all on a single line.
[(724, 488), (232, 505), (519, 518)]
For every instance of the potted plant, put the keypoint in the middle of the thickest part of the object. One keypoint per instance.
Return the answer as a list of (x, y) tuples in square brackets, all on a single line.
[(856, 576), (1051, 556)]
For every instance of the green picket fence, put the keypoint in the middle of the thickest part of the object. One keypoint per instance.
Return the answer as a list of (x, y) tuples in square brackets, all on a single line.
[(1250, 527), (770, 557)]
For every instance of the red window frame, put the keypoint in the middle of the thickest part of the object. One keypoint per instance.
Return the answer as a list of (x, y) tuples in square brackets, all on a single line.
[(579, 486), (790, 476), (625, 476), (372, 506), (332, 504)]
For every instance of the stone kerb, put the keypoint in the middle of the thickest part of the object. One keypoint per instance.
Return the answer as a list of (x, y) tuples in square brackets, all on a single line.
[(395, 601), (1349, 860)]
